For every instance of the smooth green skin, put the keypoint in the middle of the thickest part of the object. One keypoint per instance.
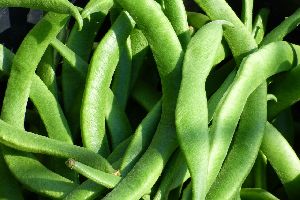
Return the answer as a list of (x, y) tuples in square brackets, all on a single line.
[(98, 80), (122, 78), (286, 89), (278, 57), (34, 143), (175, 12), (256, 194), (283, 159), (284, 28), (247, 14), (191, 110), (15, 105), (46, 71), (117, 121), (168, 55), (176, 173), (260, 25), (145, 94), (240, 159), (141, 139), (58, 6), (94, 6), (9, 188), (105, 179)]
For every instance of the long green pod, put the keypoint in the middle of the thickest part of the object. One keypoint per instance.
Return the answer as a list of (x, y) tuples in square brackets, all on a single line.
[(260, 25), (187, 192), (94, 6), (99, 77), (81, 42), (197, 20), (9, 188), (34, 143), (245, 148), (256, 194), (278, 33), (176, 173), (58, 6), (168, 55), (100, 177), (247, 14), (175, 11), (281, 57), (45, 102), (35, 176), (191, 109), (141, 139), (283, 159), (117, 121), (286, 89)]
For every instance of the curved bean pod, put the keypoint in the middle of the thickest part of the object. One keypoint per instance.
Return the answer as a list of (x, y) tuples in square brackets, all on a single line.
[(255, 194), (100, 177), (34, 143), (197, 20), (245, 147), (94, 6), (288, 25), (58, 6), (283, 159), (247, 12), (175, 11), (192, 119), (169, 60), (281, 57), (259, 26), (99, 76), (141, 139)]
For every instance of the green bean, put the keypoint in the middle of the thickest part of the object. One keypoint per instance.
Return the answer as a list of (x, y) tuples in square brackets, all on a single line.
[(168, 55), (55, 122), (259, 26), (94, 6), (100, 177), (191, 123), (259, 170), (283, 159), (36, 176), (245, 147), (114, 114), (247, 14), (46, 71), (175, 11), (187, 192), (280, 57), (81, 42), (256, 194), (288, 25), (58, 6), (176, 173), (197, 20), (9, 188), (285, 94), (141, 139), (119, 151), (98, 81), (121, 81), (34, 143)]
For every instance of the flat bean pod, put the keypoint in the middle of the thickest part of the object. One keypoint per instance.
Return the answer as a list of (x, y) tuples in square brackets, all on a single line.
[(191, 118), (247, 14), (58, 6), (256, 193), (99, 77)]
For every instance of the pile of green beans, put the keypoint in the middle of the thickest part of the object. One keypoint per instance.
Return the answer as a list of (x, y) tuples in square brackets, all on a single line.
[(164, 104)]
